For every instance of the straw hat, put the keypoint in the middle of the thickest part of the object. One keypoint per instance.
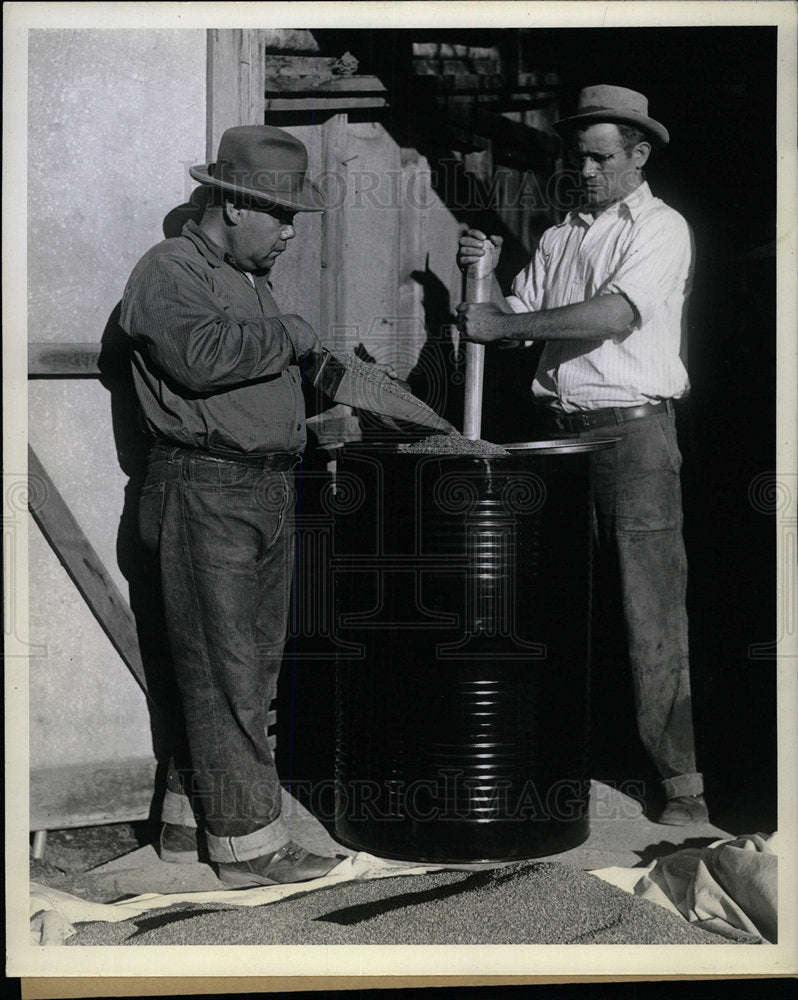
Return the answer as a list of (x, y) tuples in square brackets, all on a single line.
[(604, 103)]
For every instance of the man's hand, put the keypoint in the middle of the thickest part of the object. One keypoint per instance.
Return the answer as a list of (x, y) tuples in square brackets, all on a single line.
[(302, 335), (393, 375), (388, 370), (471, 248), (482, 322)]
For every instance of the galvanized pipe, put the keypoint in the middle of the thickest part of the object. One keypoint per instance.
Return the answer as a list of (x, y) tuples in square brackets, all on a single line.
[(479, 280)]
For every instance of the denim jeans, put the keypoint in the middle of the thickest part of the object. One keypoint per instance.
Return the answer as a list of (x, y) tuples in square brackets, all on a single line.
[(224, 534), (638, 509)]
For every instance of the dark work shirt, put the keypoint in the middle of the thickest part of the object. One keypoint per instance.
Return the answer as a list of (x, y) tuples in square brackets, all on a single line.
[(213, 364)]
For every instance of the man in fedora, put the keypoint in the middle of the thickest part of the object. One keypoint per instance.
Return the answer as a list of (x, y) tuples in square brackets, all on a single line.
[(216, 366), (607, 291)]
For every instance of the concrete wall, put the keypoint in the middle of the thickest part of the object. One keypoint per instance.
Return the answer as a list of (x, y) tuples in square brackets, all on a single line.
[(115, 116)]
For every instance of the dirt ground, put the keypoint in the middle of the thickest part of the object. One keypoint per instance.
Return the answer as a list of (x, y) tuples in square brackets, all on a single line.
[(71, 853)]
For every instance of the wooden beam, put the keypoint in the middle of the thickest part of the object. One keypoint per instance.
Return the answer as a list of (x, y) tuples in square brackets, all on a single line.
[(235, 81), (310, 66), (342, 103), (69, 359), (87, 794), (508, 132), (326, 86), (84, 566), (333, 229)]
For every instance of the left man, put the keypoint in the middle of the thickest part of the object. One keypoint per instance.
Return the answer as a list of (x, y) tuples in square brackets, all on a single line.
[(216, 366)]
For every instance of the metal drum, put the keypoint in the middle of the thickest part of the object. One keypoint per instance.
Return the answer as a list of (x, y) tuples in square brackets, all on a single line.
[(463, 607)]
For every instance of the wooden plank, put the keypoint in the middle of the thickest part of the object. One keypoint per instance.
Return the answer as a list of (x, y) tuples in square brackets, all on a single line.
[(333, 227), (295, 65), (77, 359), (323, 86), (235, 81), (84, 566), (342, 103), (88, 794), (63, 359), (223, 87), (337, 424), (253, 70)]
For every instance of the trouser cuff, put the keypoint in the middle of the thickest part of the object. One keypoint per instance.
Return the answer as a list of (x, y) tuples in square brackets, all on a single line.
[(683, 784), (177, 809), (250, 845)]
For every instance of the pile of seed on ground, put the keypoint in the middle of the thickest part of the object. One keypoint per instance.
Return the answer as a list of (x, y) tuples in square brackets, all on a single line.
[(524, 903), (453, 444)]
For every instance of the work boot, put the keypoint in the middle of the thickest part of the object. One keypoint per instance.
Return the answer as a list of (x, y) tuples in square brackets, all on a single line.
[(289, 863), (178, 844), (684, 810)]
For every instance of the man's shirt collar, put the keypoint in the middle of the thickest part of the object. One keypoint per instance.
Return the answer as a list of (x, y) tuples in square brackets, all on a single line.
[(212, 252), (631, 206), (216, 255)]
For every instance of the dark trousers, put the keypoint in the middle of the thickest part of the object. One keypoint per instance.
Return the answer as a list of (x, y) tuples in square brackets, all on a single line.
[(638, 508), (224, 535)]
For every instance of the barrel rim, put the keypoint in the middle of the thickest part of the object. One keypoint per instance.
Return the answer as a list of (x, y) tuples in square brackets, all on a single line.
[(548, 446)]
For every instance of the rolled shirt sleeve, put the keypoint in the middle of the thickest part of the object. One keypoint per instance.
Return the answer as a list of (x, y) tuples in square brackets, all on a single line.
[(528, 285), (654, 265)]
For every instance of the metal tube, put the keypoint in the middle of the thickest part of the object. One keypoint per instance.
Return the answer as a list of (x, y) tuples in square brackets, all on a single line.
[(474, 381), (479, 280)]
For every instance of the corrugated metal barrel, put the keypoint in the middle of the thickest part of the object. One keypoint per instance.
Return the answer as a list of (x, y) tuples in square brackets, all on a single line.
[(463, 595)]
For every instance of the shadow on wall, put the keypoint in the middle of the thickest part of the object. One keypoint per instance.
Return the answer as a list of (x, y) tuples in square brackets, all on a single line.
[(190, 211), (441, 363), (438, 372)]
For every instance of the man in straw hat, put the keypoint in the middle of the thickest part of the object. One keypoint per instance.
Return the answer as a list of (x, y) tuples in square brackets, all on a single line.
[(607, 291), (216, 366)]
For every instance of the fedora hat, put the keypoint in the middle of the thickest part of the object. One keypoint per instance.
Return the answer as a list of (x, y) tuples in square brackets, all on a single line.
[(604, 103), (264, 163)]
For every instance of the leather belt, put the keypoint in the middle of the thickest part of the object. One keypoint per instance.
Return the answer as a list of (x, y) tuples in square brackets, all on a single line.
[(588, 420), (276, 461)]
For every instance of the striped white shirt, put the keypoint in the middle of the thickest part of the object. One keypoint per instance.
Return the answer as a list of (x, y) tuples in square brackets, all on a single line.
[(640, 248)]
